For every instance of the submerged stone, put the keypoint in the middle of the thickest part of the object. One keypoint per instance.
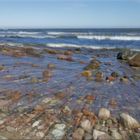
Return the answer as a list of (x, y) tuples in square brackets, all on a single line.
[(86, 73)]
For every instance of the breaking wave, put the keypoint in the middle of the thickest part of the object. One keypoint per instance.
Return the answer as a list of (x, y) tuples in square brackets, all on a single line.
[(69, 35)]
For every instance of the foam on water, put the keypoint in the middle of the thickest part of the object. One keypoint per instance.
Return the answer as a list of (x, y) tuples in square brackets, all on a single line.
[(88, 38), (127, 38)]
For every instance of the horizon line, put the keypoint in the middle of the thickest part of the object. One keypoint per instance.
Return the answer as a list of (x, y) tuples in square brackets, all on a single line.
[(70, 27)]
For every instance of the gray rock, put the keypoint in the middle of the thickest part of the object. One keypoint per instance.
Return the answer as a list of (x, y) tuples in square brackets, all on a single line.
[(78, 134), (10, 129), (97, 134), (60, 126), (128, 121), (124, 55), (88, 136), (132, 57), (58, 132), (105, 137), (3, 138), (40, 134), (124, 135), (116, 135)]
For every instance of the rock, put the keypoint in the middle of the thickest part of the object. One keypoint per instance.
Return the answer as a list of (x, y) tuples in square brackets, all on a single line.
[(32, 52), (114, 74), (86, 125), (65, 57), (86, 73), (113, 102), (58, 133), (34, 80), (40, 134), (124, 135), (66, 110), (90, 97), (2, 67), (39, 108), (78, 134), (124, 79), (60, 126), (94, 64), (68, 52), (115, 134), (124, 55), (2, 121), (4, 105), (46, 100), (97, 134), (99, 76), (35, 124), (51, 66), (3, 138), (88, 136), (135, 60), (132, 57), (105, 137), (60, 95), (134, 136), (46, 74), (110, 79), (104, 114), (10, 129), (128, 121)]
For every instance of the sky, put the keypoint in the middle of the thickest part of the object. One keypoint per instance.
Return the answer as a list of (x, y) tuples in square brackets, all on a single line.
[(69, 13)]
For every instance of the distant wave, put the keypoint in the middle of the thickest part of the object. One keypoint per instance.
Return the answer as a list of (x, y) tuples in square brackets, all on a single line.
[(69, 35), (63, 45), (125, 38)]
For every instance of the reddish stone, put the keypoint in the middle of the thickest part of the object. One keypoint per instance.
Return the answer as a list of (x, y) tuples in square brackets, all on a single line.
[(90, 97)]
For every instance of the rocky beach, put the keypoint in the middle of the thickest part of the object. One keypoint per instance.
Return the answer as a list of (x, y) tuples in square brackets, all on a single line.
[(69, 93)]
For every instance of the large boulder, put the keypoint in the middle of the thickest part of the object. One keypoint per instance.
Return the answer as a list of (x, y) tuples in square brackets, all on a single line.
[(124, 55), (134, 60), (132, 57)]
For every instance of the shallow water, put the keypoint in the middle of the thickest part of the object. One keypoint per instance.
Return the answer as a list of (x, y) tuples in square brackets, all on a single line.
[(67, 79)]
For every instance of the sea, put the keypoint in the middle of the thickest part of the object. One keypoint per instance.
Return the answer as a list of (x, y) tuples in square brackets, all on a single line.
[(79, 38)]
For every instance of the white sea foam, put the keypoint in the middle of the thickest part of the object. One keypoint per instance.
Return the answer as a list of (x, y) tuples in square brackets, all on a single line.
[(125, 38), (62, 45)]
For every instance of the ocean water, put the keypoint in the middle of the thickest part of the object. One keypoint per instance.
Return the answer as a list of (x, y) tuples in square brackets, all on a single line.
[(88, 38)]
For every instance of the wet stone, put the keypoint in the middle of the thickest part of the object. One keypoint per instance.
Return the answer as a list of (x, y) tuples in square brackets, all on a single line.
[(86, 73), (35, 124), (78, 134), (86, 125), (99, 76), (88, 136), (10, 129), (97, 134), (40, 134)]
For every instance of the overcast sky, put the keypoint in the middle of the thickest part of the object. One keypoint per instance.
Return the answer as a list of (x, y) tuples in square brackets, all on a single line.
[(69, 13)]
